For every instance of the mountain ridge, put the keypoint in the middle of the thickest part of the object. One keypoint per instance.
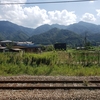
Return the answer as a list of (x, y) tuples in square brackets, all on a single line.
[(11, 31), (56, 35)]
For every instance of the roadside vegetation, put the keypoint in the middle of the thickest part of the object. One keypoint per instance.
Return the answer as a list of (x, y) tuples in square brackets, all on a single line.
[(70, 62)]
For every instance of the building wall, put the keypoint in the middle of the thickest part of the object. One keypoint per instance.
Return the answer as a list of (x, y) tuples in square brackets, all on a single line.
[(60, 46)]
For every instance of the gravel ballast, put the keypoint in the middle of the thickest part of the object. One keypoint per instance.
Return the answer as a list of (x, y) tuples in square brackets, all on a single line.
[(56, 94), (50, 95)]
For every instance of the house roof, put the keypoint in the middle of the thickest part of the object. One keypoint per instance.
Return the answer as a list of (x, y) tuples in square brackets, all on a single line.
[(2, 48), (16, 49), (29, 45), (18, 43), (6, 41), (26, 44)]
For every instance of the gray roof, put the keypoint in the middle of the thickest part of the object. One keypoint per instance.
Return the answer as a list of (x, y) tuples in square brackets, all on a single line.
[(29, 45), (2, 48), (6, 41)]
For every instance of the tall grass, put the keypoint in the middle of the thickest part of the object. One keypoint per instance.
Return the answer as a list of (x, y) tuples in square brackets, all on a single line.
[(50, 63), (28, 58), (63, 70)]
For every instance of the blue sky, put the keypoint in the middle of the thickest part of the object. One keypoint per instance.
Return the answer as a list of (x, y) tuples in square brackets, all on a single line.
[(35, 15)]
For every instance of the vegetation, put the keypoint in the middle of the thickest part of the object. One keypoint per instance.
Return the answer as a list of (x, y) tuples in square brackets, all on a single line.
[(71, 62), (57, 35), (73, 35), (11, 31)]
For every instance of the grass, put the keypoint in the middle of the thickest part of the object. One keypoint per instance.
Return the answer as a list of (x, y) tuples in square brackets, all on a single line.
[(50, 63), (49, 70)]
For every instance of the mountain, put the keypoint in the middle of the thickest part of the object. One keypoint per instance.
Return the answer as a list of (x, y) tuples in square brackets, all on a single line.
[(83, 27), (48, 34), (79, 28), (57, 35), (41, 29), (11, 31), (58, 26), (47, 27), (94, 38)]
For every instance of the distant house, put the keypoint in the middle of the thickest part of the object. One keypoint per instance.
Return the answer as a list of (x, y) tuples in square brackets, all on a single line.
[(15, 50), (19, 46), (3, 49), (28, 47), (60, 46), (6, 46), (5, 43), (80, 48)]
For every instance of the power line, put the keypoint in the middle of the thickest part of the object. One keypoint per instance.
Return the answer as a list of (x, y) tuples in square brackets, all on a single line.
[(44, 2)]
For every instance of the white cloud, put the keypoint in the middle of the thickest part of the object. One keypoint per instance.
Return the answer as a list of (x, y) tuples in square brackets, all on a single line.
[(34, 16), (62, 17), (88, 17), (91, 1), (12, 13), (98, 12)]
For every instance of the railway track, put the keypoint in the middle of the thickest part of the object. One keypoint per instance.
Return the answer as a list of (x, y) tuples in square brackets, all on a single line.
[(29, 85)]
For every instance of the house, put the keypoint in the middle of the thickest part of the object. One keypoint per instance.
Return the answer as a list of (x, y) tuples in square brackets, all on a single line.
[(19, 46), (6, 46), (28, 47), (3, 49), (80, 48), (5, 43)]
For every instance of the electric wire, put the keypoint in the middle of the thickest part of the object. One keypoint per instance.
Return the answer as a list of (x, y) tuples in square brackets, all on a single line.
[(16, 3)]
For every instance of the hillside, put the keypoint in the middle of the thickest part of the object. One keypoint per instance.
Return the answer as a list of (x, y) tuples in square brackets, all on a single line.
[(47, 27), (48, 34), (94, 38), (57, 35), (11, 31), (82, 27), (79, 28)]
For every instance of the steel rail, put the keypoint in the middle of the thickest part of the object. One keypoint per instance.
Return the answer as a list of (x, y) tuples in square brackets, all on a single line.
[(17, 87), (48, 87), (50, 81)]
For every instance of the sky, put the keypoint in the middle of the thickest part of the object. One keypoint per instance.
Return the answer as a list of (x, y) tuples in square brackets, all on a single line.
[(34, 15)]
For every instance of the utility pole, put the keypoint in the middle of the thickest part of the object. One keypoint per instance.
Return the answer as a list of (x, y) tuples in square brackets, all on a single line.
[(85, 39)]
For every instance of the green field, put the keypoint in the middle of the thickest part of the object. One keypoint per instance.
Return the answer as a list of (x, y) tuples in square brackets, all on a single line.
[(70, 63)]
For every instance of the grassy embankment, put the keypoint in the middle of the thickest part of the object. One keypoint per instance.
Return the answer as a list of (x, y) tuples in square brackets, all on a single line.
[(79, 63)]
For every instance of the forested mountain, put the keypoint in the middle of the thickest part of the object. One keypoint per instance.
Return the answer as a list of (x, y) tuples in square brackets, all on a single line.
[(11, 31), (47, 27), (79, 28), (82, 27), (47, 34), (41, 29), (57, 35), (94, 38)]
